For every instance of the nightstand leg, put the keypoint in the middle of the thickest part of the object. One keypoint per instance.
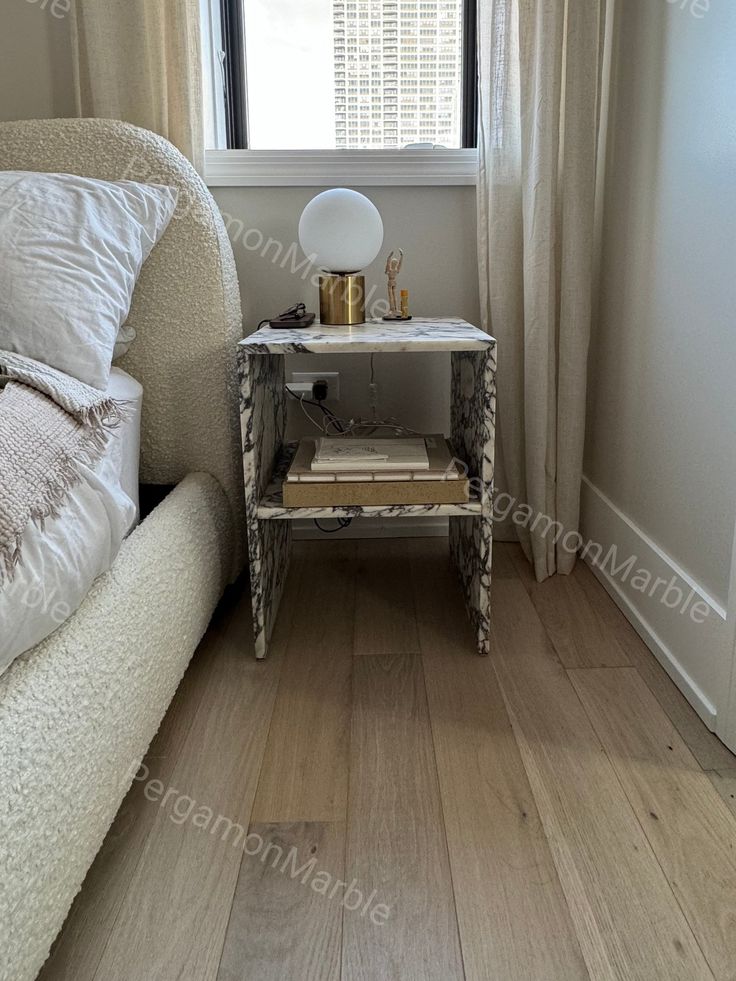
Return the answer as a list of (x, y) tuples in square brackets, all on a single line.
[(263, 425), (473, 436)]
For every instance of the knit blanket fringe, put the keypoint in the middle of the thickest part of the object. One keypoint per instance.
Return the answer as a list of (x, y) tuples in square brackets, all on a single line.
[(51, 425)]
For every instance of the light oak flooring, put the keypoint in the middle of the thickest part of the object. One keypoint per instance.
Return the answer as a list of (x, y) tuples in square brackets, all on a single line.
[(552, 813)]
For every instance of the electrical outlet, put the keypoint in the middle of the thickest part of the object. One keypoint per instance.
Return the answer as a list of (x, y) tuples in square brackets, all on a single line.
[(310, 377)]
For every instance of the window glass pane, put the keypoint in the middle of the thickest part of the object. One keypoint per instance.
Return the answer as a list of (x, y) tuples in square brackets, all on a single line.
[(359, 74)]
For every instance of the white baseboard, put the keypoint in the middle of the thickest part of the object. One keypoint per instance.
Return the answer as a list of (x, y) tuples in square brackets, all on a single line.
[(705, 709), (693, 654), (305, 529)]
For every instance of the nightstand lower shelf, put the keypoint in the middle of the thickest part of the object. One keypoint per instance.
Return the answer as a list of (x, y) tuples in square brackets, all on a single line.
[(271, 506)]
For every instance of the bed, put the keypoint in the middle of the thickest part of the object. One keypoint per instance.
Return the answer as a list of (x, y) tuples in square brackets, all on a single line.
[(80, 707)]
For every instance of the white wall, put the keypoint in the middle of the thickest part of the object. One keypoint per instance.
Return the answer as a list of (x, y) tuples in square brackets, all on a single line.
[(36, 80), (661, 446)]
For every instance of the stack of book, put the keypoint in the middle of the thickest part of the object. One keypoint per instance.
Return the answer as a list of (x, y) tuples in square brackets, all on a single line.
[(340, 472)]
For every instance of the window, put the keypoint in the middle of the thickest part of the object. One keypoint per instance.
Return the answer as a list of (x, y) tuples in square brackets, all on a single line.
[(336, 74)]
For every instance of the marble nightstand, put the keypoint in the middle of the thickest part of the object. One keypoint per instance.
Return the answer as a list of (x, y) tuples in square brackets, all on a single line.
[(266, 454)]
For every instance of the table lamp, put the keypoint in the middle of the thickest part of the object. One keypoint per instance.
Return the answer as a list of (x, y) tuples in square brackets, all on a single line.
[(342, 232)]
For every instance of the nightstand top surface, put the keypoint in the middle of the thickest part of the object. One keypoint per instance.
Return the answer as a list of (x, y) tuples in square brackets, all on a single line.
[(419, 334)]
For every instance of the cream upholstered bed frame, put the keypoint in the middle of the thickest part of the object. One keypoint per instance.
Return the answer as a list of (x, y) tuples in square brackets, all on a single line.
[(186, 307), (78, 712)]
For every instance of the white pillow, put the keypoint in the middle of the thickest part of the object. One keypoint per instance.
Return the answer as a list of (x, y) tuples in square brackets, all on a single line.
[(126, 336), (71, 250)]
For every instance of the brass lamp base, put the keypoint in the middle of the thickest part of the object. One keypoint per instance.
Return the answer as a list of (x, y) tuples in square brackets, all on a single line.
[(341, 300)]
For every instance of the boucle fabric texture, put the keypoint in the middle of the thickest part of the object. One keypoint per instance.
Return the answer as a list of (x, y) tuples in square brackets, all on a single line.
[(49, 425), (186, 306), (79, 709)]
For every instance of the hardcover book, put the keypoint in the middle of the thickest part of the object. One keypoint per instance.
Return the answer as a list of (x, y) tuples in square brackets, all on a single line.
[(362, 455), (442, 483)]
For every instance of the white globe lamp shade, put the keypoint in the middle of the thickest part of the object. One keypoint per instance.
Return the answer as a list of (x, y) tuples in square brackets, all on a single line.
[(341, 230)]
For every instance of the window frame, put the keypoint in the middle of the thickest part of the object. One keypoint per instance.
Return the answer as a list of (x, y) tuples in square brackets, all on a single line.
[(347, 168), (234, 74), (234, 83)]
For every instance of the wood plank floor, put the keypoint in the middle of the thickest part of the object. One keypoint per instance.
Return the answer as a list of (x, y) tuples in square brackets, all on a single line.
[(377, 802)]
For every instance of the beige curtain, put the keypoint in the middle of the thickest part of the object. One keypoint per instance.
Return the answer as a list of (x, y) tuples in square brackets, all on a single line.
[(541, 70), (140, 60)]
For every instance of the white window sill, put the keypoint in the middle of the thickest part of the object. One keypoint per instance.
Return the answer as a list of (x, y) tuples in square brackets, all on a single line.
[(354, 168)]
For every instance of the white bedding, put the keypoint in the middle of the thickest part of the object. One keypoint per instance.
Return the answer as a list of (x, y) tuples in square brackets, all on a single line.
[(62, 560), (126, 449)]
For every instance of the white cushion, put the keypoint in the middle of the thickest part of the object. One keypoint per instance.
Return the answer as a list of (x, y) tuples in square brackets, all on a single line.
[(71, 250)]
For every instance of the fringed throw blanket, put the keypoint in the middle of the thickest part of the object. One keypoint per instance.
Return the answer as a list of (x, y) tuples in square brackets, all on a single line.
[(49, 425)]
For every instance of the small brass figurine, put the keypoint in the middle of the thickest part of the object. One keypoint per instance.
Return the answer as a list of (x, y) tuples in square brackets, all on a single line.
[(397, 311)]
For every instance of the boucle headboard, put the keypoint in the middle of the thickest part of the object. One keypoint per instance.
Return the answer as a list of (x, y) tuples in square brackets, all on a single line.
[(186, 307)]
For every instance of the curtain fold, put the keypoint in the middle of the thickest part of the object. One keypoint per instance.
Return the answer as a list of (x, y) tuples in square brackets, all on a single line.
[(140, 61), (540, 93)]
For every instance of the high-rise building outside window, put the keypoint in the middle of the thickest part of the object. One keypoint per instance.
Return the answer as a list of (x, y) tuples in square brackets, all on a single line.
[(349, 74)]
